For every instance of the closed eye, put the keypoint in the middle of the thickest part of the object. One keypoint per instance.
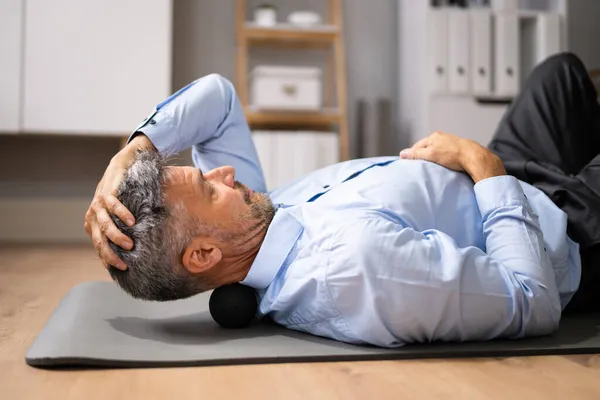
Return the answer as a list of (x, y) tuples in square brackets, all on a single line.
[(209, 187)]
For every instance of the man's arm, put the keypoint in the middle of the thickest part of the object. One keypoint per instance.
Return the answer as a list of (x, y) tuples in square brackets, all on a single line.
[(420, 286), (208, 116), (441, 291), (435, 290), (205, 114)]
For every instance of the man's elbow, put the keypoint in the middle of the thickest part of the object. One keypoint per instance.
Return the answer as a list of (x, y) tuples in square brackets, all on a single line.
[(544, 317), (554, 315), (221, 85), (218, 81), (215, 78)]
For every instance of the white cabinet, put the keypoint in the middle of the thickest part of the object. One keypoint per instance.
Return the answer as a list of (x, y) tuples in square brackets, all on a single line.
[(11, 23), (506, 42), (94, 67)]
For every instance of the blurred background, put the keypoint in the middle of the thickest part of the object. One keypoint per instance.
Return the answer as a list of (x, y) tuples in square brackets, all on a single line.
[(321, 81)]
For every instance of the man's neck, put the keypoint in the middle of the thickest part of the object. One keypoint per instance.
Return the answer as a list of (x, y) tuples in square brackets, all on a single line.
[(235, 268)]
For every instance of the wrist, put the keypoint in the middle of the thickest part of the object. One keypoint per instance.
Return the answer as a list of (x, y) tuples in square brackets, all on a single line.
[(481, 164), (141, 142), (127, 154)]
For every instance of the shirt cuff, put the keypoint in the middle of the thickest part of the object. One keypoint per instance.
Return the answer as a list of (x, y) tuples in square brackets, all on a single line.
[(158, 127), (499, 191)]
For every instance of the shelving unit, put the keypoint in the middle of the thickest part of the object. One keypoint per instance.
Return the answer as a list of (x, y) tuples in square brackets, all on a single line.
[(329, 36)]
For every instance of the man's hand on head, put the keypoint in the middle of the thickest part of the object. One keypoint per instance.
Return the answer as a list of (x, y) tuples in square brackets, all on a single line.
[(98, 223), (457, 154)]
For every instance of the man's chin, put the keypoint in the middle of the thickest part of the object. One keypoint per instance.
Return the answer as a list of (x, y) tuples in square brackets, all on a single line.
[(262, 206)]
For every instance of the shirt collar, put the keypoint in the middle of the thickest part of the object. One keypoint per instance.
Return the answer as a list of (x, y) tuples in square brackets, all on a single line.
[(279, 240)]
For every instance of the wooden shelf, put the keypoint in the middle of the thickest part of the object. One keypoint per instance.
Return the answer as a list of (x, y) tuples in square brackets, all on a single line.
[(293, 118), (323, 34)]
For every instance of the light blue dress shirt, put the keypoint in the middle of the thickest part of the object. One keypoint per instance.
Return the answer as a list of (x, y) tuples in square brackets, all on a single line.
[(385, 251)]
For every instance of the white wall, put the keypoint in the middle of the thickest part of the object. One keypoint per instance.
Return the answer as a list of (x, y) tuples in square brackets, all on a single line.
[(50, 180), (11, 44)]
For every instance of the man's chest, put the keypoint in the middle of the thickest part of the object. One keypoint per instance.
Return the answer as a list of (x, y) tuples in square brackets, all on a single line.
[(416, 195)]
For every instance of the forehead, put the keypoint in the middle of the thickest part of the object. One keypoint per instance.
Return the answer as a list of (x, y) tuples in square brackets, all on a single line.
[(182, 184), (180, 175)]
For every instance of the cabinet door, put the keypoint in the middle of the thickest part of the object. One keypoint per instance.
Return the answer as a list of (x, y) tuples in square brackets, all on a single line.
[(437, 47), (95, 67), (11, 43), (458, 57), (507, 45), (481, 52)]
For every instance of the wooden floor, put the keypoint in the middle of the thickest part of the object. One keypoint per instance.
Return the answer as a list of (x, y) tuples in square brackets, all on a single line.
[(33, 279)]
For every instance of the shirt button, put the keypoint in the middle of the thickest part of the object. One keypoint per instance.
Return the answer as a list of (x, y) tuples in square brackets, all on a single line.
[(152, 122), (325, 186)]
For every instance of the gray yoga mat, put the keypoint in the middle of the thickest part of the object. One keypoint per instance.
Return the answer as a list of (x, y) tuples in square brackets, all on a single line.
[(96, 324)]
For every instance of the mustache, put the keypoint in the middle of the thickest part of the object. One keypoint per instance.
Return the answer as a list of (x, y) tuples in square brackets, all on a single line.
[(238, 186)]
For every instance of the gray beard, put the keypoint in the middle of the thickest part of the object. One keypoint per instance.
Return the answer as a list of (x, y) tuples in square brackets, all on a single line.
[(250, 223)]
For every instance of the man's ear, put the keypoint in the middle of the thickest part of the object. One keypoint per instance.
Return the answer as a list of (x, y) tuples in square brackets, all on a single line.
[(201, 255)]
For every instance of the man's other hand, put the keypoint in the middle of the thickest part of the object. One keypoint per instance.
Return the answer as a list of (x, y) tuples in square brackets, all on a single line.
[(457, 154), (98, 223)]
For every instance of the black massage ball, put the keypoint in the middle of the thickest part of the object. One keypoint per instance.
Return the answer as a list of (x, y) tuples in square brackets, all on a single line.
[(233, 306)]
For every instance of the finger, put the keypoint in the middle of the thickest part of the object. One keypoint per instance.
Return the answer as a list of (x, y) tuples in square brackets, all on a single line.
[(98, 247), (108, 228), (117, 208), (87, 228), (105, 253), (423, 143), (407, 154), (89, 216), (416, 154)]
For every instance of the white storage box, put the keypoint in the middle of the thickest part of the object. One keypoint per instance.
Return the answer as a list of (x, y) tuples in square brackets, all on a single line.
[(286, 88)]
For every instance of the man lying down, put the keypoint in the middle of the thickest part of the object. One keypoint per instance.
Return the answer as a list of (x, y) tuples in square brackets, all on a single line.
[(437, 244)]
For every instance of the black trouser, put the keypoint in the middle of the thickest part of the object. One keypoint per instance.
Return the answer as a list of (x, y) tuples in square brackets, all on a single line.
[(550, 138)]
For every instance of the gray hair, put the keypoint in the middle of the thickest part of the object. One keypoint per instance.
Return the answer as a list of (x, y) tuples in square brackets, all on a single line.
[(160, 234)]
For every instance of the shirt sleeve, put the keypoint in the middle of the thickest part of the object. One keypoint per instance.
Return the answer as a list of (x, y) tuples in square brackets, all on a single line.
[(207, 116), (397, 285)]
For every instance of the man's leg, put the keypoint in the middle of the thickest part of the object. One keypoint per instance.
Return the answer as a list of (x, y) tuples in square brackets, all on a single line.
[(550, 137)]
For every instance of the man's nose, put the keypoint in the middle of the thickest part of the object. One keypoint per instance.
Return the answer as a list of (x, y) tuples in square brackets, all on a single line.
[(224, 174)]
